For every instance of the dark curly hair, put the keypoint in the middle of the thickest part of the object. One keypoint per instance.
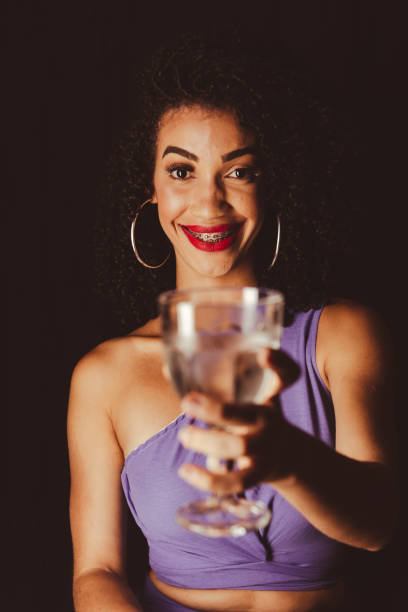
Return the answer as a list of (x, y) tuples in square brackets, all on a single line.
[(303, 174)]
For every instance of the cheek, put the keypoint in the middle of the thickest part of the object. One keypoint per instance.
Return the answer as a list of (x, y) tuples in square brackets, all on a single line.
[(251, 208), (170, 205)]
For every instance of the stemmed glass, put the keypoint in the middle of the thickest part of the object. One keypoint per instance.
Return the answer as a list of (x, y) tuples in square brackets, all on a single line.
[(211, 338)]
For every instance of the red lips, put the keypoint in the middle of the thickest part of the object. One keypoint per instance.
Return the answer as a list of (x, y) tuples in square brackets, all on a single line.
[(220, 245)]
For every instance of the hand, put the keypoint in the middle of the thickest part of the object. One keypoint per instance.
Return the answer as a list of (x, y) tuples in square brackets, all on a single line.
[(256, 437)]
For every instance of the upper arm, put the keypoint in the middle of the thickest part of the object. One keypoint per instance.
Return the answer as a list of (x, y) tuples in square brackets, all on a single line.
[(358, 366), (96, 500)]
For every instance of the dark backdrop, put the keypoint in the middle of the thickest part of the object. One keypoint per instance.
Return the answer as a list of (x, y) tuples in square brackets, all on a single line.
[(69, 67)]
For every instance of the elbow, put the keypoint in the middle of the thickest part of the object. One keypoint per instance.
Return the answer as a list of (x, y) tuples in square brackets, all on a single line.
[(369, 542), (377, 546), (383, 539), (387, 520), (383, 536)]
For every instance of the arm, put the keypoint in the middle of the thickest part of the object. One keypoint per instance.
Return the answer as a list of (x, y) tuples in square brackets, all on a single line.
[(348, 493), (96, 501)]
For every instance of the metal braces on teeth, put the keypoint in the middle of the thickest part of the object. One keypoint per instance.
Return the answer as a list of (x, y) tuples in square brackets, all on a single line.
[(213, 237)]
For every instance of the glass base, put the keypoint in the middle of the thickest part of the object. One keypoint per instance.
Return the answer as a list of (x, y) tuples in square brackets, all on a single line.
[(224, 516)]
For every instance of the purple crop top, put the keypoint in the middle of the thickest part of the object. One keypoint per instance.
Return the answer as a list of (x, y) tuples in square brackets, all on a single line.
[(289, 554)]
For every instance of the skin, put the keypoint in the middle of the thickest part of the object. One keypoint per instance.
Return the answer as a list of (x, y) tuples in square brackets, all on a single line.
[(120, 397), (210, 194)]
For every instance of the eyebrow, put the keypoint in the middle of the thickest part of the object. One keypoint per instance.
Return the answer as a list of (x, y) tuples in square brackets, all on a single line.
[(227, 157), (238, 153), (180, 151)]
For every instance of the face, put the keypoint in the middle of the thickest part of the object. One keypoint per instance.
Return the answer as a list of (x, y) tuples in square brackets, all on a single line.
[(206, 186)]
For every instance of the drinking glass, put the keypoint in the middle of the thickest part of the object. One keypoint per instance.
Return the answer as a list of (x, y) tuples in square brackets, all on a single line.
[(211, 338)]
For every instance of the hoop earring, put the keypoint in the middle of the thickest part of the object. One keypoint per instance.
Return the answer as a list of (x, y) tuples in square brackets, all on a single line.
[(132, 240), (278, 236)]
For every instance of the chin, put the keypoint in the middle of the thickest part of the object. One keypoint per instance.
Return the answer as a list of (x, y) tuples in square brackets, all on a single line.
[(213, 266), (211, 269)]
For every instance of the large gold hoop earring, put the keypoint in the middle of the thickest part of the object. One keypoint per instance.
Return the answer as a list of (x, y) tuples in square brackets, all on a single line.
[(278, 237), (132, 240)]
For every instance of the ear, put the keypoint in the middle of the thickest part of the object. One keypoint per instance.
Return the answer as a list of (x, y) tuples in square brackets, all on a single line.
[(154, 197)]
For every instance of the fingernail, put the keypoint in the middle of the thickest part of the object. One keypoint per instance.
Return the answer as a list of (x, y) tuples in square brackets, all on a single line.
[(184, 436), (192, 404), (186, 470)]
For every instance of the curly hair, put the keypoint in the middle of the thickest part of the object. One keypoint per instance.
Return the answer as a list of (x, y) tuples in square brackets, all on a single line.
[(303, 174)]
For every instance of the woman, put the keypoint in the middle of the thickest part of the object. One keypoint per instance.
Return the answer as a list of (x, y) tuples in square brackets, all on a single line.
[(227, 164)]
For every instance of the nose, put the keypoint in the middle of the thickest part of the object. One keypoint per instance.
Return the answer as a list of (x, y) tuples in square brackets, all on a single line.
[(209, 198)]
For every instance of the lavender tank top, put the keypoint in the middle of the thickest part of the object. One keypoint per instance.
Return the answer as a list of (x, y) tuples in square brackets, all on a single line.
[(288, 554)]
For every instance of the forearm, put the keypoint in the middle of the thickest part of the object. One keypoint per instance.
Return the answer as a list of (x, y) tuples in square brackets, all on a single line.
[(103, 591), (351, 501)]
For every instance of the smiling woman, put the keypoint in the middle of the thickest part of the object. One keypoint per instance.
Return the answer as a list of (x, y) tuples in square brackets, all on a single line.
[(212, 203), (228, 150), (298, 167)]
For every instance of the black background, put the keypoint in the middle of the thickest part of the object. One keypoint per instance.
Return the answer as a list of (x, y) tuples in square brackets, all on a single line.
[(69, 72)]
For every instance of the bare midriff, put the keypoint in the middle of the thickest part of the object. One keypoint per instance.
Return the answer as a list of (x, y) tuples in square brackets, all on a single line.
[(235, 600)]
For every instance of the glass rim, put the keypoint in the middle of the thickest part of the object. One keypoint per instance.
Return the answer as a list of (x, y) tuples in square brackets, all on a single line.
[(272, 296)]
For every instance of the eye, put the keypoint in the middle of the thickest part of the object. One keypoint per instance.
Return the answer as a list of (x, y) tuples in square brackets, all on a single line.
[(248, 174), (180, 172)]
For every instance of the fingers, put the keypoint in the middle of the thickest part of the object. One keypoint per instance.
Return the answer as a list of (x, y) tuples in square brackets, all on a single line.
[(238, 429), (236, 441), (286, 370), (223, 467), (216, 443), (238, 418), (222, 483), (249, 432)]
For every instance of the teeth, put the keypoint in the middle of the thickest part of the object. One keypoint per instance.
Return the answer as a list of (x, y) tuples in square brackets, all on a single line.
[(211, 237)]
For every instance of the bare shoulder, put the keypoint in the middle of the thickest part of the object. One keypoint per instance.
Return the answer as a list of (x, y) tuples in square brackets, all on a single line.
[(355, 352), (120, 385), (343, 314), (96, 380), (107, 366), (353, 338), (96, 456), (353, 334), (101, 376)]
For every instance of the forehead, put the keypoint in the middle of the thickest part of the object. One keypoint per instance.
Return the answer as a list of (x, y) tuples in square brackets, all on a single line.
[(199, 129)]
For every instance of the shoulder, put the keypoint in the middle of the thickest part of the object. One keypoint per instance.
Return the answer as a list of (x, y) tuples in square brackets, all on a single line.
[(353, 337), (120, 352), (110, 366), (355, 350), (349, 321), (104, 359), (101, 384)]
